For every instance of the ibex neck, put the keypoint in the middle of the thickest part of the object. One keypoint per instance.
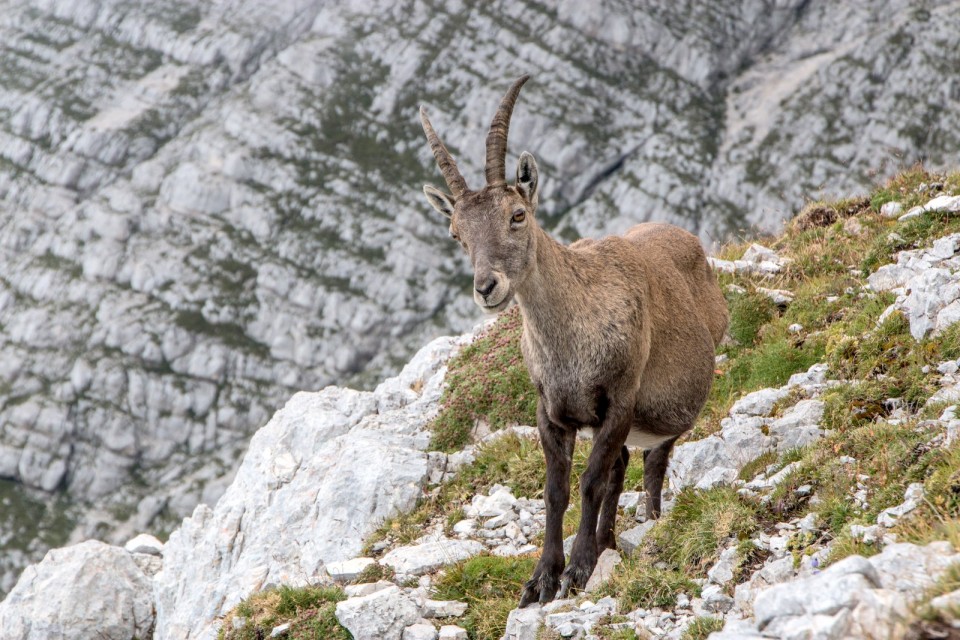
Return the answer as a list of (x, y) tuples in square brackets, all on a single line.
[(554, 285)]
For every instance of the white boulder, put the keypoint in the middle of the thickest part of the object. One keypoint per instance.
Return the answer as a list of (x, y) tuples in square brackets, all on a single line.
[(316, 480), (382, 615), (88, 590), (418, 559)]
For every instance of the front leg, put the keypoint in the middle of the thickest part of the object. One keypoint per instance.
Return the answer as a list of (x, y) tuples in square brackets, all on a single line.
[(608, 443), (557, 445)]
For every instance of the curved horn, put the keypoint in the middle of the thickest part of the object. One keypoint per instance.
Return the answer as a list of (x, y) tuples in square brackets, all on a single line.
[(448, 166), (497, 137)]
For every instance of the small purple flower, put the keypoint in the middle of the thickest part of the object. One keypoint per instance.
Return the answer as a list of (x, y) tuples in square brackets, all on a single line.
[(815, 562)]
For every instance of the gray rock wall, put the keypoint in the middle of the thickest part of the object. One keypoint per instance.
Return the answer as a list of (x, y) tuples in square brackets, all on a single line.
[(204, 208)]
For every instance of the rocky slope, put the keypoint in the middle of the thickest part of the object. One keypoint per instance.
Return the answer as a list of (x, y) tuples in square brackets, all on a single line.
[(822, 505), (204, 208)]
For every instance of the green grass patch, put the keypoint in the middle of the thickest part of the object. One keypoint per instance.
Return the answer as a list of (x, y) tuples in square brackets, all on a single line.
[(706, 519), (756, 466), (639, 583), (487, 381), (702, 627), (311, 612), (906, 188), (748, 313), (491, 586), (607, 633), (846, 545)]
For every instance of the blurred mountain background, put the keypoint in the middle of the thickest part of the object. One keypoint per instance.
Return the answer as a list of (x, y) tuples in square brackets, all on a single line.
[(207, 206)]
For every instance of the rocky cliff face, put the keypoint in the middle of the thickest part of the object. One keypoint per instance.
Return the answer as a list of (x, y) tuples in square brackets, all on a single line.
[(204, 208)]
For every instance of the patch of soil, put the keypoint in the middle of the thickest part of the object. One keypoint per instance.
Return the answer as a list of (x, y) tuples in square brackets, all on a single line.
[(816, 217), (824, 216)]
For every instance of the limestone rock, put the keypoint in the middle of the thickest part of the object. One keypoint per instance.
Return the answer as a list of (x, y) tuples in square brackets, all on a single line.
[(940, 203), (452, 632), (716, 476), (911, 500), (144, 543), (722, 571), (348, 570), (382, 615), (317, 479), (854, 598), (429, 556), (910, 568), (799, 425), (566, 622), (948, 604), (759, 403), (927, 282), (366, 588), (421, 631), (746, 437), (632, 538), (89, 590), (691, 459), (891, 210), (606, 566), (444, 608), (524, 624), (837, 588)]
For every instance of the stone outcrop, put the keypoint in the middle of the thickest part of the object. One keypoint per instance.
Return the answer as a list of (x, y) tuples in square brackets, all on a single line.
[(927, 284), (316, 480), (750, 431), (854, 598), (89, 590)]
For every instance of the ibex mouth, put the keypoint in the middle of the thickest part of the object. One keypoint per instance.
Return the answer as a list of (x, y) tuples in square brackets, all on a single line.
[(494, 308)]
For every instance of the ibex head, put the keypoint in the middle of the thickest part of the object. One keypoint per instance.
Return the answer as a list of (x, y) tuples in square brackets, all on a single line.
[(495, 225)]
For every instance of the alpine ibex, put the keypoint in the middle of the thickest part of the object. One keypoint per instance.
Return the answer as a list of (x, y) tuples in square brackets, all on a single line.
[(619, 336)]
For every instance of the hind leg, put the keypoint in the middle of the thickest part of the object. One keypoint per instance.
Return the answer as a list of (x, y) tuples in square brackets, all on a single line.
[(654, 468), (606, 538)]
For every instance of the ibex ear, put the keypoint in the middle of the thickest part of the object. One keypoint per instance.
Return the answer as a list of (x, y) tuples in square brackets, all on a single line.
[(527, 177), (439, 200)]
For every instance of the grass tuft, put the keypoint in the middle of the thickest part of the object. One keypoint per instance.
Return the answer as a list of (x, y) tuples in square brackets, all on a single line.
[(702, 627), (486, 381), (640, 583), (311, 612), (491, 586), (707, 519)]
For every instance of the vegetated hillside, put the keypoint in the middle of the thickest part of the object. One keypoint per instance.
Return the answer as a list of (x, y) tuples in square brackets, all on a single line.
[(207, 206), (877, 461)]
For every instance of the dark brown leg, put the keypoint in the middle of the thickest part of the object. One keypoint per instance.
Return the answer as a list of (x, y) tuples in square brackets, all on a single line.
[(558, 450), (606, 538), (654, 468), (607, 444)]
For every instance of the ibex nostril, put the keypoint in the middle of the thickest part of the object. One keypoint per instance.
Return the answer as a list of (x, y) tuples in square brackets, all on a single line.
[(486, 287)]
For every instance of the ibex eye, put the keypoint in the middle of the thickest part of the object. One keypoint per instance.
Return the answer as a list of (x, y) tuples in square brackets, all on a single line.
[(519, 215)]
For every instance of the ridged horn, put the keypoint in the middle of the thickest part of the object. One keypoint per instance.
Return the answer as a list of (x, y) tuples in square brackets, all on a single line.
[(497, 136), (448, 166)]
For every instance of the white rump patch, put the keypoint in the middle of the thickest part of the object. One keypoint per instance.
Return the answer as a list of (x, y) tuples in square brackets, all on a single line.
[(636, 439)]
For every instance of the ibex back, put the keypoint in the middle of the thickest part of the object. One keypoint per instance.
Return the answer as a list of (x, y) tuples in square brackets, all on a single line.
[(619, 336)]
